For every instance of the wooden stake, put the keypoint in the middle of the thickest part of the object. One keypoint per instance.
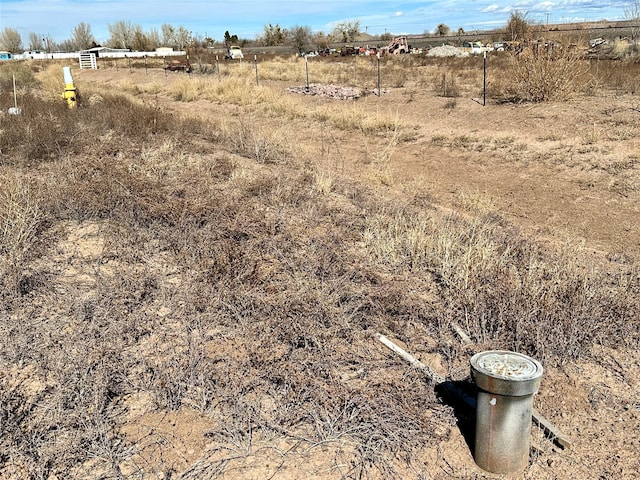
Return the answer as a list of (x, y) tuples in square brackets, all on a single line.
[(431, 375)]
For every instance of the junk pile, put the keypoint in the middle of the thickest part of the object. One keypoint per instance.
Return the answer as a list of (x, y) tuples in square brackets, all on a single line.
[(333, 91), (447, 51)]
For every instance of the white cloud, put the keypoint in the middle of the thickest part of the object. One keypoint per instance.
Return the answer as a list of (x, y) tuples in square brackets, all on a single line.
[(490, 8)]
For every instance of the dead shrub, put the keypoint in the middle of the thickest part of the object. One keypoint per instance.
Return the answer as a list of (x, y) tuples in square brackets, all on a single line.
[(23, 75), (251, 141), (446, 84), (20, 216), (41, 133), (48, 130), (543, 75), (617, 74)]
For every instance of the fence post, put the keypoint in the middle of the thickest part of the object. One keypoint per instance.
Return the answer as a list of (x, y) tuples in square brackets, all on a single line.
[(255, 61), (484, 77), (379, 91), (306, 62)]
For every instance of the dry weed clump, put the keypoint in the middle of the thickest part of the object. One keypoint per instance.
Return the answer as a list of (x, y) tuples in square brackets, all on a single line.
[(542, 75), (47, 130), (618, 74), (21, 218), (507, 290), (23, 75), (250, 139)]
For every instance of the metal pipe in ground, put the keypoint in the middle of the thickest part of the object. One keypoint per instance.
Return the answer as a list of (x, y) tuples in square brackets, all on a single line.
[(506, 384)]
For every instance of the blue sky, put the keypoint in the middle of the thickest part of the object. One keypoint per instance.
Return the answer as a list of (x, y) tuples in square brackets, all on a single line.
[(246, 18)]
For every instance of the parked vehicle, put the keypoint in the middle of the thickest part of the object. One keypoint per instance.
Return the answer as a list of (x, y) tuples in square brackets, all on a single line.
[(398, 45), (348, 50), (472, 47), (234, 53), (176, 66)]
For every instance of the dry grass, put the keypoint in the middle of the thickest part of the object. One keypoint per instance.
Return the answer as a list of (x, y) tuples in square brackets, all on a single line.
[(168, 265), (503, 288)]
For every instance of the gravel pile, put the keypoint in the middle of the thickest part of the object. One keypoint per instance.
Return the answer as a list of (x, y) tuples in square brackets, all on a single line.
[(447, 51), (333, 91)]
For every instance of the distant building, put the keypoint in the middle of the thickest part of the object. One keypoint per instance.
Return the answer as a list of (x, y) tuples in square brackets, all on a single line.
[(106, 51)]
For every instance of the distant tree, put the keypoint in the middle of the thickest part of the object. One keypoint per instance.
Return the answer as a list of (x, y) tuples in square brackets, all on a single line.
[(82, 38), (168, 35), (140, 42), (121, 34), (632, 14), (300, 37), (49, 43), (65, 46), (153, 39), (36, 42), (198, 43), (347, 31), (518, 27), (230, 39), (274, 35), (10, 40), (182, 37), (442, 30), (321, 40), (386, 36)]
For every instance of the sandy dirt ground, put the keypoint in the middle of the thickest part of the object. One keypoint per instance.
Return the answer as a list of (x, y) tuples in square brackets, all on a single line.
[(564, 172)]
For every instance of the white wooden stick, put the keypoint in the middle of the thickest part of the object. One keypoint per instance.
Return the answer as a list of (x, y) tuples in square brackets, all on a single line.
[(433, 376)]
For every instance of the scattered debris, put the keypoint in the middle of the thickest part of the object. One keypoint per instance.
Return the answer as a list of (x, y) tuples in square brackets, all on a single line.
[(598, 41), (333, 91)]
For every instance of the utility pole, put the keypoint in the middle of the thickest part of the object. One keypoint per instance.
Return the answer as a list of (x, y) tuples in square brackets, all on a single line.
[(548, 20)]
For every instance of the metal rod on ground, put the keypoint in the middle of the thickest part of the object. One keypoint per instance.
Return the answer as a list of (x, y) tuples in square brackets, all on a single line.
[(551, 429), (449, 387), (463, 336), (145, 66), (218, 67)]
